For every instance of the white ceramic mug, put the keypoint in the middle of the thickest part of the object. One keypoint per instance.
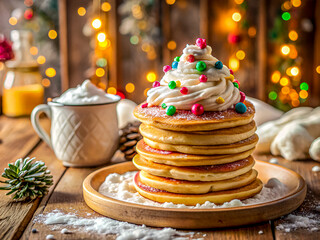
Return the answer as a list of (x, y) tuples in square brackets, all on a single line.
[(81, 135)]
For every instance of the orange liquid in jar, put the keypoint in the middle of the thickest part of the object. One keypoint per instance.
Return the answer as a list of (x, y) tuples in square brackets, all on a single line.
[(20, 100)]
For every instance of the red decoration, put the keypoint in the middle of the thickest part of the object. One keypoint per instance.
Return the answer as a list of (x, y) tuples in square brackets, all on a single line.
[(191, 58), (184, 90), (121, 94), (231, 71), (144, 105), (166, 68), (242, 96), (156, 84), (197, 109), (234, 38), (28, 14), (201, 43), (6, 52), (203, 78)]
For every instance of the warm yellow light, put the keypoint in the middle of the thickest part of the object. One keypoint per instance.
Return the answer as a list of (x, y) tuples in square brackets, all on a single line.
[(238, 1), (1, 66), (112, 90), (13, 21), (145, 92), (152, 55), (101, 37), (34, 50), (294, 71), (284, 81), (234, 64), (293, 52), (52, 34), (296, 3), (151, 77), (318, 69), (105, 44), (172, 45), (236, 16), (240, 54), (285, 49), (130, 87), (102, 85), (142, 25), (170, 2), (46, 82), (106, 7), (82, 11), (96, 23), (293, 35), (286, 6), (252, 31), (41, 59), (50, 72), (275, 77), (295, 103), (285, 90), (293, 94), (136, 11), (100, 72), (303, 94), (145, 47)]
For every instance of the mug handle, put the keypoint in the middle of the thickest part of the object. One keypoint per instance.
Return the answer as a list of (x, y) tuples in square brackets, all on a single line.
[(42, 108)]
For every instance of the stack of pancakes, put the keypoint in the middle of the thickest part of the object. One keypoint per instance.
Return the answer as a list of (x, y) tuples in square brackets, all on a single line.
[(189, 159)]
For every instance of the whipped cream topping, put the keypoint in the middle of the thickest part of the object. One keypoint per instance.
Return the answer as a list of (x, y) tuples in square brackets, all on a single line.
[(84, 94), (204, 93)]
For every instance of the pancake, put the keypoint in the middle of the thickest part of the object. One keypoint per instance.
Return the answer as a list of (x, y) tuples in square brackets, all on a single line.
[(219, 197), (233, 148), (196, 187), (215, 137), (181, 159), (195, 173), (184, 120)]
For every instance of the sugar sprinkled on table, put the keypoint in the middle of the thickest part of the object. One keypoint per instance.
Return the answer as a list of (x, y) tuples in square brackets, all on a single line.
[(316, 169)]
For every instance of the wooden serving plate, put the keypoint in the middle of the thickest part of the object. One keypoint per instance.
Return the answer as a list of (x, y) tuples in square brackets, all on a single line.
[(196, 218)]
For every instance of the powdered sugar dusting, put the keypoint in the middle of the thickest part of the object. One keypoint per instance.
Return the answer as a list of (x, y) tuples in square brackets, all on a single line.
[(120, 186)]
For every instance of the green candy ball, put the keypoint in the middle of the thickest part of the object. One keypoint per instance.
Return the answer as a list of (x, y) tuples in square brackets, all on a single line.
[(163, 105), (236, 84), (201, 66), (177, 59), (172, 84), (171, 110)]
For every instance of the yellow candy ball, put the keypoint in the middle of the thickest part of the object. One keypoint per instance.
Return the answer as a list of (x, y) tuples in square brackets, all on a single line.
[(178, 83), (219, 100), (231, 78)]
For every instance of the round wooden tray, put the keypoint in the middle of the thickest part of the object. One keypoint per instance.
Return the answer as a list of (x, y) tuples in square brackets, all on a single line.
[(196, 218)]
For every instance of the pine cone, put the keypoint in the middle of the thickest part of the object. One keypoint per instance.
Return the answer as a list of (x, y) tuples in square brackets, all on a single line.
[(129, 136), (27, 180)]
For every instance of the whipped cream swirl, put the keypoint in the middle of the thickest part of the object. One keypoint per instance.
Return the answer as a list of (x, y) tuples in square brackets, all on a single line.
[(204, 93)]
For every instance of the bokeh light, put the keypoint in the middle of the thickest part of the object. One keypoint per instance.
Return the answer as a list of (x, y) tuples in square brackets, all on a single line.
[(112, 90), (273, 95), (145, 92), (286, 16), (52, 34), (82, 11), (46, 82), (172, 45), (234, 64), (275, 77), (100, 72), (134, 40), (170, 2), (293, 35), (284, 81), (96, 23), (296, 3), (13, 21), (130, 87), (34, 50), (101, 37), (151, 76), (252, 31), (236, 16), (285, 49), (318, 69), (240, 54), (51, 72), (303, 94), (41, 60), (106, 7), (304, 86), (294, 71)]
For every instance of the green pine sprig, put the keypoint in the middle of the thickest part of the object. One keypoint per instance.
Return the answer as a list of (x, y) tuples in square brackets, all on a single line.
[(27, 180)]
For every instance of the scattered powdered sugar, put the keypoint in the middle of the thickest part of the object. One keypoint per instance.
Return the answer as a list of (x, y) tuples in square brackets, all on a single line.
[(50, 236), (104, 225), (316, 169), (260, 232), (294, 222), (120, 186), (274, 160)]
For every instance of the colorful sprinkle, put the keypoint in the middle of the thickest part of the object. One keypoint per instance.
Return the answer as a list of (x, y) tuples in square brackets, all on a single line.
[(190, 58), (171, 110), (175, 65), (241, 107), (231, 78), (242, 96), (172, 84), (184, 90), (178, 83), (236, 84), (164, 106), (201, 66), (203, 78), (219, 100), (236, 81), (166, 68), (177, 59), (197, 109), (201, 43), (144, 105), (231, 71), (156, 84), (218, 65)]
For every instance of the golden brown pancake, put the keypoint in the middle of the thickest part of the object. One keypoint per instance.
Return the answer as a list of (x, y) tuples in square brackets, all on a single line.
[(233, 148), (182, 159), (195, 173), (215, 137), (196, 187), (219, 197), (185, 120)]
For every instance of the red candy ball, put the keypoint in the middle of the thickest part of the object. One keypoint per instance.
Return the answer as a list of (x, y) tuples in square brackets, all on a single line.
[(197, 109), (203, 78), (166, 68), (156, 84), (201, 43), (242, 96), (231, 71), (184, 90), (191, 58), (236, 82), (144, 105)]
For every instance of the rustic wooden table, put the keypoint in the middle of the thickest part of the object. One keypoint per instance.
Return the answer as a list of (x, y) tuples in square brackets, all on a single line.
[(18, 140)]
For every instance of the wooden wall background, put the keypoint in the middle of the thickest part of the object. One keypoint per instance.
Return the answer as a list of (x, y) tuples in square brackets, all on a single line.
[(183, 22)]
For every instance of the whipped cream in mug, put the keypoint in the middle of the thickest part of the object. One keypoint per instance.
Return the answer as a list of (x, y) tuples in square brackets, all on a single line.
[(85, 94)]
